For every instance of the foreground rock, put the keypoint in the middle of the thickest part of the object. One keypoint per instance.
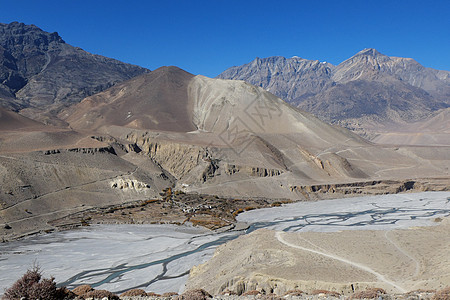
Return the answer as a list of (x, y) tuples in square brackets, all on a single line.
[(375, 293), (200, 294)]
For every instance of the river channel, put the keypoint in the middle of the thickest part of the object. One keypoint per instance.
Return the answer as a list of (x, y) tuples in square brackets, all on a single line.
[(158, 258)]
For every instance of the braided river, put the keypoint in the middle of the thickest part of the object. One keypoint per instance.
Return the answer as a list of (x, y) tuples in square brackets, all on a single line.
[(158, 258)]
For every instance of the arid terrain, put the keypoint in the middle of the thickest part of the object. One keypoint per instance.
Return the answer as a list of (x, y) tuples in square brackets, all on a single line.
[(158, 257), (396, 260), (247, 144), (88, 140), (233, 140)]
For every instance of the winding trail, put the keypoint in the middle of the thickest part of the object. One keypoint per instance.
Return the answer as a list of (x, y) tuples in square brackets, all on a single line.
[(380, 277), (416, 262)]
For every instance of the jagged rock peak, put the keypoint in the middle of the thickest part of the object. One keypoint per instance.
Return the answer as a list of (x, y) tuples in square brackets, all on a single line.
[(369, 51), (15, 32), (278, 74), (369, 84), (40, 74), (368, 55), (278, 60)]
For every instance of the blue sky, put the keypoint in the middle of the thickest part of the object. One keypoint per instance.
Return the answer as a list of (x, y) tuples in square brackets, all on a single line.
[(207, 37)]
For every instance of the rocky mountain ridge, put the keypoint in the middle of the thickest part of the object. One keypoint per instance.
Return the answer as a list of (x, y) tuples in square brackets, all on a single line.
[(40, 73), (364, 93)]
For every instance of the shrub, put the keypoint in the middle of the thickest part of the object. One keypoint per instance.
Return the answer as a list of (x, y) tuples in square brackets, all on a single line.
[(82, 290), (238, 211), (149, 201), (32, 286), (370, 293), (443, 294), (65, 294), (100, 294), (198, 294), (134, 292)]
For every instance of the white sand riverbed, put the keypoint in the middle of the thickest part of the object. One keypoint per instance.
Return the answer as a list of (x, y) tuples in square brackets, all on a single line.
[(158, 257)]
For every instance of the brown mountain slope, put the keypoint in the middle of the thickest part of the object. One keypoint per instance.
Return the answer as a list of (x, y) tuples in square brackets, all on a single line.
[(19, 134), (385, 101), (433, 131), (235, 138), (157, 101), (47, 173), (10, 120)]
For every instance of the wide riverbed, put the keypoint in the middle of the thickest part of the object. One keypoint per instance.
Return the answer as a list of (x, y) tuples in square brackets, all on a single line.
[(157, 258)]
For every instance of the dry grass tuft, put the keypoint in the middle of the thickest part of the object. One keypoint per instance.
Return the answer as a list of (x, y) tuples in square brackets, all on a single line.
[(134, 292), (82, 290), (198, 294), (238, 211), (65, 294), (443, 294)]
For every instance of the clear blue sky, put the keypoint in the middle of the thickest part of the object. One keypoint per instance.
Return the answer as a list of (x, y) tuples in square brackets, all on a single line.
[(207, 37)]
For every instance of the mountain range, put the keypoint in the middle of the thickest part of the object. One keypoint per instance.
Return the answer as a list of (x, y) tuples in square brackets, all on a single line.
[(196, 135), (368, 93), (171, 129)]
